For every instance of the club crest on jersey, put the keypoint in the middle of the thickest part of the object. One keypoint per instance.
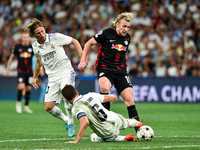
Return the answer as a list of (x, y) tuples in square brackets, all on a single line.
[(52, 46), (29, 50), (126, 42), (119, 47)]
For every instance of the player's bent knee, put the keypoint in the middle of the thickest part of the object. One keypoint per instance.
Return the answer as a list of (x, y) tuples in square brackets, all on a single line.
[(49, 107), (104, 90)]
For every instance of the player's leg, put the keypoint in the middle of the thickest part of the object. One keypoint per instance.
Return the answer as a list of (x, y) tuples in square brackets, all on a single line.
[(27, 99), (124, 88), (28, 82), (127, 96), (96, 138), (123, 123), (52, 97), (70, 80), (129, 137), (20, 88), (70, 125), (55, 111), (105, 85)]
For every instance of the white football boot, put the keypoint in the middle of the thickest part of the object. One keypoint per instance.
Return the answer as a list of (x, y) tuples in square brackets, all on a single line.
[(18, 107), (27, 110)]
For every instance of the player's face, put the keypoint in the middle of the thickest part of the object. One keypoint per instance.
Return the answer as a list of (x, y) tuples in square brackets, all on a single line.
[(40, 34), (122, 27), (25, 39)]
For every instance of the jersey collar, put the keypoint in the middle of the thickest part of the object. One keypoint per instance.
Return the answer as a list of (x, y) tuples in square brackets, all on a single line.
[(78, 98)]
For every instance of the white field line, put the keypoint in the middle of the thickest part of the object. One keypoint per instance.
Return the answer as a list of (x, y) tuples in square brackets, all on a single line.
[(43, 139), (57, 139), (148, 147)]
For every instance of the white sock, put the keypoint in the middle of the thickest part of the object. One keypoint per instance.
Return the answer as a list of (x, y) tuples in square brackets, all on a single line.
[(120, 138), (68, 109), (132, 123), (57, 112)]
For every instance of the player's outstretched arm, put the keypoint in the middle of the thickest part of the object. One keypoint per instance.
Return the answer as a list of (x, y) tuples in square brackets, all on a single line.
[(77, 46), (110, 98), (82, 129), (83, 63)]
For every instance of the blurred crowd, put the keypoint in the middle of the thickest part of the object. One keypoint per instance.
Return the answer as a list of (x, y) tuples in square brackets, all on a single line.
[(165, 34)]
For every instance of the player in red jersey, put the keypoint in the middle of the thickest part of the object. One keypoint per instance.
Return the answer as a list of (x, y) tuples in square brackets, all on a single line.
[(24, 54), (111, 63)]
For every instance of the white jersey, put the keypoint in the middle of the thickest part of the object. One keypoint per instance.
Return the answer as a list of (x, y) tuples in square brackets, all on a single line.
[(104, 123), (52, 54)]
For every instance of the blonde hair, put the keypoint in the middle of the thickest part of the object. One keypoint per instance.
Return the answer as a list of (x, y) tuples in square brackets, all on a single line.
[(126, 16), (35, 23)]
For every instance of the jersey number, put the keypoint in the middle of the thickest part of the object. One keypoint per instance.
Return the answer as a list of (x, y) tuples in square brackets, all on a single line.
[(128, 79), (99, 112), (47, 90)]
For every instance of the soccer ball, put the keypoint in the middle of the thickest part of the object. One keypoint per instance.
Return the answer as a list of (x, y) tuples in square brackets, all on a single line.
[(145, 133)]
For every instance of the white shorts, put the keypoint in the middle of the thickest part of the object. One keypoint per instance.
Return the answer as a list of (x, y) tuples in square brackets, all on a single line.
[(120, 124), (113, 129), (54, 88)]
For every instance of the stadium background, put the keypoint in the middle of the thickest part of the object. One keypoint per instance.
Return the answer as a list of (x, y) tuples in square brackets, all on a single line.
[(164, 51)]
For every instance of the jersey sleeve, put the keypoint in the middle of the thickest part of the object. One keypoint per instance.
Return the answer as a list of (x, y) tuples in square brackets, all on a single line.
[(78, 112), (36, 51), (15, 50), (97, 96), (63, 39), (100, 37)]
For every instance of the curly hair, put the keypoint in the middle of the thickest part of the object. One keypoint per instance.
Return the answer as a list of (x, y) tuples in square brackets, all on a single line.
[(126, 16), (35, 23)]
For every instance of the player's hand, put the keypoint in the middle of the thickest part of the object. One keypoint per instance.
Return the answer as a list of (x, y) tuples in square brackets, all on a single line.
[(35, 83), (7, 73), (71, 142), (82, 65)]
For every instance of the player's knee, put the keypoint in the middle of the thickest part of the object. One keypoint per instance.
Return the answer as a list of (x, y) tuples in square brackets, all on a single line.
[(129, 101), (104, 90), (49, 107)]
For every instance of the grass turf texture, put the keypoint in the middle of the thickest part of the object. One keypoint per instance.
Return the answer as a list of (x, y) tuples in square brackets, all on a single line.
[(176, 126)]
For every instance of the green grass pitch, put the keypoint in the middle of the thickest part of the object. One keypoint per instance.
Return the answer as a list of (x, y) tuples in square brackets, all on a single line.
[(176, 126)]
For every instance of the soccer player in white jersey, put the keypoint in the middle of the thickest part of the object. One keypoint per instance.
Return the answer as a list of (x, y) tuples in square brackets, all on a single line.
[(49, 52), (105, 124)]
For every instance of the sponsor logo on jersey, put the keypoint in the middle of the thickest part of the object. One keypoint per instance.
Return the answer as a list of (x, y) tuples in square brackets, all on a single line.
[(101, 74), (119, 47), (25, 55), (49, 56), (112, 40), (52, 46), (20, 49)]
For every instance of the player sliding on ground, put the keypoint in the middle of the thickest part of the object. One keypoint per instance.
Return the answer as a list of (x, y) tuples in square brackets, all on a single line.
[(105, 124)]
